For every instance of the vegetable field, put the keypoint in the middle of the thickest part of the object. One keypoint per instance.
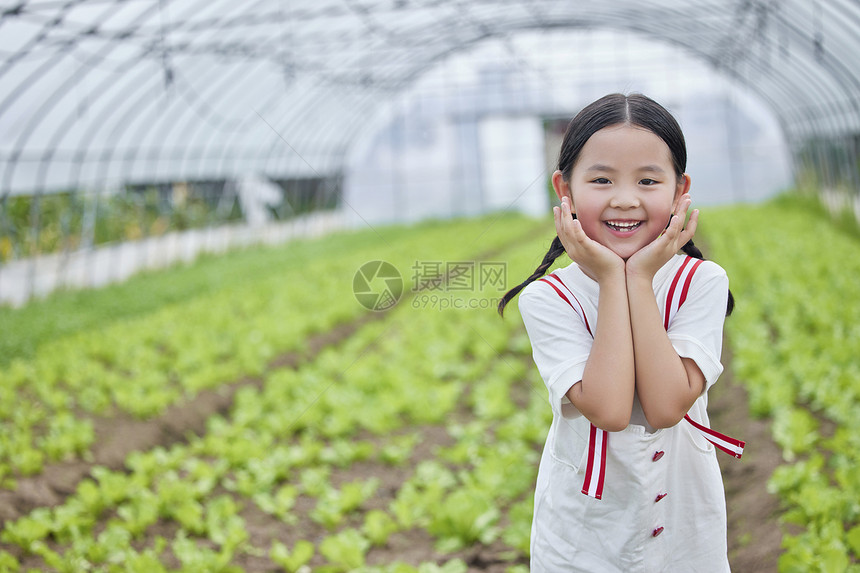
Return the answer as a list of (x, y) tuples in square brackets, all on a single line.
[(409, 444), (795, 337), (247, 413)]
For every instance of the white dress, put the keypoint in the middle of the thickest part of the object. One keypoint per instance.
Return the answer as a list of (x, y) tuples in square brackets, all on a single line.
[(658, 504)]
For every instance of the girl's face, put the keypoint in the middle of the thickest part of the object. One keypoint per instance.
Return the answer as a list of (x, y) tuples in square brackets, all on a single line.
[(623, 187)]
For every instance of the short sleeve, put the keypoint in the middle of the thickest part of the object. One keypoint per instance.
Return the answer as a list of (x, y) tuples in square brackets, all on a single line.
[(696, 331), (560, 343)]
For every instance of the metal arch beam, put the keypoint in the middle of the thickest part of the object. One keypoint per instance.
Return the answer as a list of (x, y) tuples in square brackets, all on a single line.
[(347, 132), (132, 107), (783, 84), (35, 40), (297, 108), (63, 130), (310, 95), (91, 62), (405, 80), (786, 89), (332, 130), (708, 55), (835, 71), (208, 137), (324, 130), (692, 47), (141, 102), (817, 96), (197, 132), (110, 150), (849, 82), (242, 128), (416, 72), (744, 80), (175, 118), (398, 83), (296, 138), (227, 149), (763, 93), (127, 158), (36, 119), (114, 105), (331, 135), (168, 127)]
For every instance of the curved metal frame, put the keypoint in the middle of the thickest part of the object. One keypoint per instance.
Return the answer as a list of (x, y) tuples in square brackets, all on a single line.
[(340, 59)]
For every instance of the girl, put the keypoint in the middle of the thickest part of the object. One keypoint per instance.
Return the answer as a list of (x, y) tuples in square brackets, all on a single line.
[(628, 341)]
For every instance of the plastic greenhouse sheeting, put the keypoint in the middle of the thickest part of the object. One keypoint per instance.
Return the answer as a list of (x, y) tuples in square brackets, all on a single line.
[(94, 90)]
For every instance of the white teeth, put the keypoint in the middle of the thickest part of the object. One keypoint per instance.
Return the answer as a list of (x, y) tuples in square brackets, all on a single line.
[(623, 225)]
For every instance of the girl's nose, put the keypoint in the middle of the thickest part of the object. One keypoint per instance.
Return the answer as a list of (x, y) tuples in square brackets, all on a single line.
[(624, 198)]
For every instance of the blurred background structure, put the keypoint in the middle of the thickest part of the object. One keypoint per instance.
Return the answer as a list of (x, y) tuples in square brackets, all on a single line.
[(136, 133)]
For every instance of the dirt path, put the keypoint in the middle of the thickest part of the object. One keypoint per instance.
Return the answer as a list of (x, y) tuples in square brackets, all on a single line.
[(754, 534), (116, 437)]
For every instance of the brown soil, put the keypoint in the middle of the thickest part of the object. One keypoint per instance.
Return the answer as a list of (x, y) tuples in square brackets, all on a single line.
[(118, 436), (754, 534)]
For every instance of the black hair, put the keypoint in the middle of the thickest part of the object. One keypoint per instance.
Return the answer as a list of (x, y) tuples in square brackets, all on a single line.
[(614, 109)]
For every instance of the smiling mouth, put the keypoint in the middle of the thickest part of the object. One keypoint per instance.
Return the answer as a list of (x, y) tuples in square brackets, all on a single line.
[(623, 226)]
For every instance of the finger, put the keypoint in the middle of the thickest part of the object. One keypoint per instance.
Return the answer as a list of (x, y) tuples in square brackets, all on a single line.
[(562, 226), (567, 218), (674, 227), (683, 205), (558, 213), (676, 223), (691, 227), (578, 233), (564, 214), (559, 225)]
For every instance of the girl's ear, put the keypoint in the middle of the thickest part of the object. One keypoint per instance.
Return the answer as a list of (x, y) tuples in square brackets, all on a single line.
[(683, 186), (562, 189)]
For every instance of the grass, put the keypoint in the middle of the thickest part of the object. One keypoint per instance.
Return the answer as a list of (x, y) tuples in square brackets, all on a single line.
[(64, 312), (68, 311)]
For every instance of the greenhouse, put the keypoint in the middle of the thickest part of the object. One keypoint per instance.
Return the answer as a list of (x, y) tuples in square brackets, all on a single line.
[(252, 253)]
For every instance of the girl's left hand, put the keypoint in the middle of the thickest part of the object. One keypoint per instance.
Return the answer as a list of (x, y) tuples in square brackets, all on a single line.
[(648, 260)]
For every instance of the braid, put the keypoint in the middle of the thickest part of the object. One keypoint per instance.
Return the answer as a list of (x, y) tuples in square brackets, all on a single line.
[(693, 251), (556, 249)]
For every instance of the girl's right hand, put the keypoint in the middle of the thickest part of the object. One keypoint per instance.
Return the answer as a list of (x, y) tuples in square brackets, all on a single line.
[(594, 259)]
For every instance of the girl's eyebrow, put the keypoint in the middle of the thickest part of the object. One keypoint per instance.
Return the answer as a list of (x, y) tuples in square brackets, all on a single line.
[(600, 167), (607, 168)]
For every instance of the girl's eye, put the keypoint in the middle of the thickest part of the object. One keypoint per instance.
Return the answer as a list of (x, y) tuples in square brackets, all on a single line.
[(600, 180), (648, 182)]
